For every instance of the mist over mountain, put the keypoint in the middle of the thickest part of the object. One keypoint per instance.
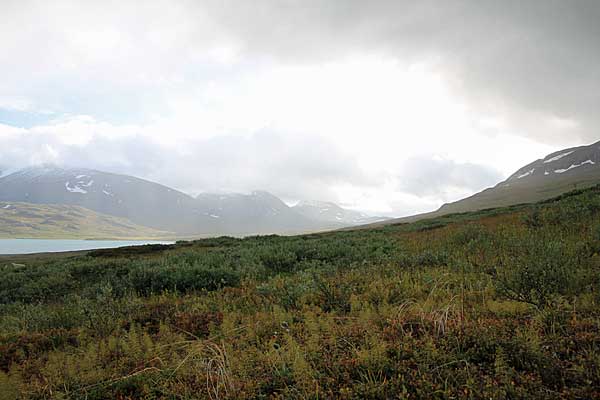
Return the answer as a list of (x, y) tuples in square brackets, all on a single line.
[(152, 205), (142, 202), (333, 213), (572, 164), (257, 212), (557, 173), (162, 208)]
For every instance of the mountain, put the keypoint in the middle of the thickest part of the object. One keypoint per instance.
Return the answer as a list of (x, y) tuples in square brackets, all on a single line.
[(62, 221), (327, 212), (557, 173), (5, 171), (162, 208), (142, 202), (257, 212)]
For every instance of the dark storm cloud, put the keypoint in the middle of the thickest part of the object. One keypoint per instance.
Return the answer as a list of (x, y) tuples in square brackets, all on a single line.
[(426, 176), (535, 61)]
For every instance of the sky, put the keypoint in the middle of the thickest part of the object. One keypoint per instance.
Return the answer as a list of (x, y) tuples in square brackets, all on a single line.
[(389, 107)]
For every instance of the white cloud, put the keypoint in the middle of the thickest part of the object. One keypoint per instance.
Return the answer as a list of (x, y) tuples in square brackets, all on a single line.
[(15, 104), (293, 166), (313, 99)]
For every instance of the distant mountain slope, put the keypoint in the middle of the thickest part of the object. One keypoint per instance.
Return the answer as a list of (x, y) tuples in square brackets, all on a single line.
[(162, 208), (557, 173), (143, 202), (332, 213), (62, 221), (257, 212)]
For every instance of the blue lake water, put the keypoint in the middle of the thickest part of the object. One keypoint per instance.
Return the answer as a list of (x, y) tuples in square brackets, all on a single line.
[(27, 246)]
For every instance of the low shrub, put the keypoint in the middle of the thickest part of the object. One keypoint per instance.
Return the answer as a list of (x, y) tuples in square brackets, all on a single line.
[(147, 280), (535, 270)]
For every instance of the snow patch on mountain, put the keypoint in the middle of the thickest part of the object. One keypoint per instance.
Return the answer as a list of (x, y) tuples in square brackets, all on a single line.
[(74, 189), (7, 172), (558, 157), (573, 166), (211, 215), (154, 205), (331, 212), (526, 174)]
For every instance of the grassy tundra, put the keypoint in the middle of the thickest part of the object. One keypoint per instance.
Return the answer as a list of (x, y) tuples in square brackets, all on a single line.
[(496, 304)]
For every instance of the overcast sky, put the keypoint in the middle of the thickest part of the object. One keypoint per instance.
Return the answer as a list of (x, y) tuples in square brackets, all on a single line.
[(392, 107)]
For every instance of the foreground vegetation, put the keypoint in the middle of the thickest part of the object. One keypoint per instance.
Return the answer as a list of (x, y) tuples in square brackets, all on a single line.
[(496, 304)]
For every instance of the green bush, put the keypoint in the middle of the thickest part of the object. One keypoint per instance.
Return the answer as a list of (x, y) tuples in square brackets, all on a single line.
[(533, 219), (333, 295), (147, 280), (535, 270), (279, 260)]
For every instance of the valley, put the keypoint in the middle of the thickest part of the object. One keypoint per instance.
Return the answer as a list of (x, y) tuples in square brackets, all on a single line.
[(299, 200), (152, 207), (160, 211), (500, 303)]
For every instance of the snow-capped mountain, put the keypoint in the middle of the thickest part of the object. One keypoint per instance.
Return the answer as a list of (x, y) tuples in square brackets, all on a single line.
[(332, 213), (159, 207)]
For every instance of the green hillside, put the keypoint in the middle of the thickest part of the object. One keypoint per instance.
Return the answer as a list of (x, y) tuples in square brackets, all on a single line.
[(25, 220), (524, 192), (496, 304)]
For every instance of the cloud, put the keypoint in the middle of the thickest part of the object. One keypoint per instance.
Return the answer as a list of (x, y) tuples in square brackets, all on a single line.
[(532, 62), (308, 99), (442, 178), (292, 167)]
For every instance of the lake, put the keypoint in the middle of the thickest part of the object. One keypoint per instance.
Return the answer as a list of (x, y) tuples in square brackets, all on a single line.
[(27, 246)]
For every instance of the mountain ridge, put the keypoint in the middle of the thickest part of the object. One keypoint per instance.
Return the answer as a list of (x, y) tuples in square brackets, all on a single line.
[(160, 207), (558, 172), (331, 212)]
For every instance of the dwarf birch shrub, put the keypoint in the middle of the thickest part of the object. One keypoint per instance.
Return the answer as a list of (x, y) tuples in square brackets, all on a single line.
[(536, 270)]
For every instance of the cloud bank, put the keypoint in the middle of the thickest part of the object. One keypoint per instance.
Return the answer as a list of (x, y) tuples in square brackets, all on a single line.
[(388, 106)]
